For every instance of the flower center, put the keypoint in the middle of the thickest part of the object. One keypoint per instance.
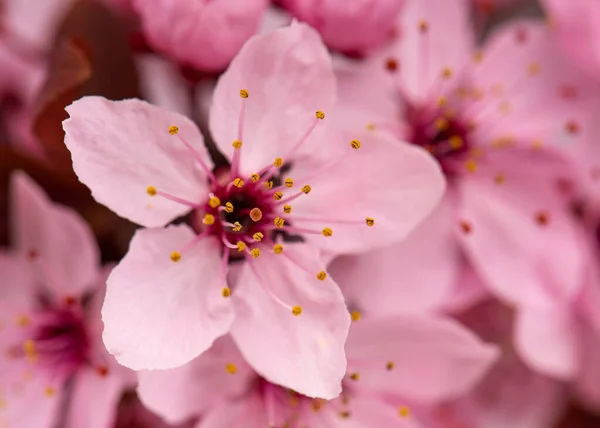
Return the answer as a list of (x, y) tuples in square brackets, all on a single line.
[(441, 133), (55, 341)]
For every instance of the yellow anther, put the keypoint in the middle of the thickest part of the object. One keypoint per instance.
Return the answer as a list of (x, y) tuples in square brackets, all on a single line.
[(441, 124), (269, 184), (258, 236), (255, 252), (345, 414), (241, 246), (228, 207), (389, 365), (237, 144), (471, 165), (244, 93), (287, 209), (29, 346), (306, 189), (278, 162), (231, 368), (238, 182), (327, 232), (23, 321), (49, 391), (317, 404), (289, 182), (255, 214), (355, 144), (447, 73), (151, 190), (442, 101), (208, 219), (533, 69), (226, 292), (354, 376), (279, 222), (297, 310), (404, 411), (175, 256), (278, 248), (456, 142), (214, 202), (355, 316), (370, 221), (322, 275), (478, 57), (173, 130), (370, 127), (255, 177), (499, 178), (319, 114), (237, 226), (277, 196), (423, 26)]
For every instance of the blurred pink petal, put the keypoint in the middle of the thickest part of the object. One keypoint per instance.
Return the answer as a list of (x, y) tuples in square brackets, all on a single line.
[(351, 27), (208, 34)]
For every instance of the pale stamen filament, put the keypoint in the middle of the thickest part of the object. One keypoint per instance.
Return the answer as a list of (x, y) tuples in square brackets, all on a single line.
[(198, 157), (178, 200), (264, 286)]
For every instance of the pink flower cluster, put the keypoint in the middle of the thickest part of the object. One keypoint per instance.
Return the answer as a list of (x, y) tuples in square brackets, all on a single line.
[(347, 214)]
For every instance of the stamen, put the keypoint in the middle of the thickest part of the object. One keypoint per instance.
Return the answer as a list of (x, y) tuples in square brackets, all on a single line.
[(255, 178), (277, 196), (355, 315), (198, 157), (226, 292), (289, 182), (277, 248), (355, 144), (175, 256), (255, 252), (278, 163), (279, 222), (287, 209), (355, 376), (269, 184), (258, 236), (237, 226), (208, 219), (237, 144), (255, 214), (389, 366), (327, 232), (370, 221), (241, 246), (404, 411), (228, 244), (306, 189), (151, 190), (193, 242), (214, 202), (322, 275), (238, 182), (231, 368), (265, 288), (228, 207), (297, 310), (424, 55)]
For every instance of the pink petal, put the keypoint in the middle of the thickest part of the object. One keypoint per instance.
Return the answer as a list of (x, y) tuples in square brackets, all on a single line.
[(121, 148), (305, 352), (249, 412), (94, 400), (18, 288), (289, 76), (188, 391), (163, 85), (548, 339), (371, 21), (27, 404), (522, 238), (423, 54), (411, 277), (159, 314), (433, 359), (587, 385), (207, 35), (514, 395), (398, 185), (60, 245), (530, 91)]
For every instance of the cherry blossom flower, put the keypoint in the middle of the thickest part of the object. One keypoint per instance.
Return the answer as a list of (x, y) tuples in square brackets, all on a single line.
[(395, 366), (51, 293), (294, 187), (354, 28), (493, 119)]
